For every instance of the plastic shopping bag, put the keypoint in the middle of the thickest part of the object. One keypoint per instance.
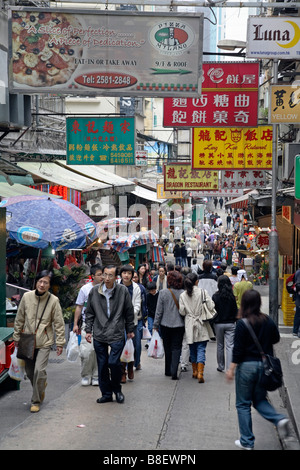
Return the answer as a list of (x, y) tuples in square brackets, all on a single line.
[(16, 370), (128, 352), (156, 347), (146, 333), (85, 348), (72, 348)]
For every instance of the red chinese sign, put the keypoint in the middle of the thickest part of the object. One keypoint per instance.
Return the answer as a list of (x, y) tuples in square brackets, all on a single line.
[(229, 98), (262, 240)]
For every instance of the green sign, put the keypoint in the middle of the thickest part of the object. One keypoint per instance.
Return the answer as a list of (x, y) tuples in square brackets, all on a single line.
[(297, 176), (100, 141)]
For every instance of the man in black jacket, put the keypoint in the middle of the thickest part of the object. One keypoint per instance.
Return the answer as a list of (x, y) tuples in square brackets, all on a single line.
[(109, 314)]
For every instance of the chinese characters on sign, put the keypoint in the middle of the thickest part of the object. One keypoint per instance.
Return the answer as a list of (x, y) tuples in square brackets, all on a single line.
[(100, 141), (229, 149), (220, 192), (245, 179), (229, 91), (161, 194), (182, 177), (285, 104)]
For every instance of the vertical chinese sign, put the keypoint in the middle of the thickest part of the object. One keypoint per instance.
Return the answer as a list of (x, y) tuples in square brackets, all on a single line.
[(100, 141), (232, 149), (181, 177)]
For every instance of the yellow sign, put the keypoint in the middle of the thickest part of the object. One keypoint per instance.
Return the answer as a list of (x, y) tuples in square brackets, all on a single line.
[(232, 148), (285, 104), (161, 194), (181, 176)]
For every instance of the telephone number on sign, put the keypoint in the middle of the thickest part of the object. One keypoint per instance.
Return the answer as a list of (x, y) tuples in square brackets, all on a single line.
[(106, 80)]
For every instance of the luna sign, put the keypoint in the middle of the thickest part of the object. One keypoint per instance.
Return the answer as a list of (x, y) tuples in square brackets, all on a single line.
[(273, 37)]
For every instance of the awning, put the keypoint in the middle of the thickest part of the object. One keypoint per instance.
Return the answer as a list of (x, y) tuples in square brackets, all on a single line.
[(98, 173), (242, 201), (19, 190), (147, 194), (59, 175)]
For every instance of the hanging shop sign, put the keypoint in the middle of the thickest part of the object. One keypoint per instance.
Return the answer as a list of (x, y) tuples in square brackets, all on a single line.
[(232, 149), (141, 158), (285, 104), (262, 240), (162, 194), (287, 213), (220, 192), (229, 90), (273, 37), (110, 53), (244, 179), (100, 141), (181, 177)]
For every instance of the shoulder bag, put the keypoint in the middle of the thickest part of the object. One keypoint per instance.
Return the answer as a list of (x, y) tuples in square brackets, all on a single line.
[(272, 376), (207, 314), (174, 298), (26, 344)]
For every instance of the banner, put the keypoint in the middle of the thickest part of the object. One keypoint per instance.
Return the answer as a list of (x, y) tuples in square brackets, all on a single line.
[(100, 141), (272, 37), (244, 179), (110, 53), (181, 177), (229, 91), (232, 149), (285, 104)]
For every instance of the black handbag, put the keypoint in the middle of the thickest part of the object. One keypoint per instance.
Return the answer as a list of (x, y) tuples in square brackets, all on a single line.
[(272, 378), (26, 343)]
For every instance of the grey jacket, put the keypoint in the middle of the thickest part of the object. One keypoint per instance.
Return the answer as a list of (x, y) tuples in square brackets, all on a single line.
[(109, 329), (167, 314)]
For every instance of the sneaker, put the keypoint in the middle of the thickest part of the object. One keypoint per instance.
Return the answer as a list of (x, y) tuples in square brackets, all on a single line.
[(283, 428), (85, 381), (95, 382), (238, 444)]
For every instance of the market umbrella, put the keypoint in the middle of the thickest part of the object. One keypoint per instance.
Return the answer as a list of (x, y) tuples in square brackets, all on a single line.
[(124, 243), (41, 221)]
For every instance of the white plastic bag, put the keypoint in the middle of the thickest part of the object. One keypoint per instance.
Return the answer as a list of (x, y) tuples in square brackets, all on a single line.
[(16, 370), (72, 348), (156, 347), (146, 333), (85, 348), (128, 352)]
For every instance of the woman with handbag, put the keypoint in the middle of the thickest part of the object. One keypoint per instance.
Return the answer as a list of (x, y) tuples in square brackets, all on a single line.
[(224, 323), (248, 368), (39, 316), (170, 322), (197, 328)]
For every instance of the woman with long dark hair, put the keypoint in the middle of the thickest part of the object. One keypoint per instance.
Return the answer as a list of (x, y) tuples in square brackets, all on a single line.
[(224, 324), (143, 274), (171, 324), (247, 363), (197, 331)]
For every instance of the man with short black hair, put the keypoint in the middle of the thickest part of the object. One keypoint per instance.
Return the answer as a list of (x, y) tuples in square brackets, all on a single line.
[(109, 314)]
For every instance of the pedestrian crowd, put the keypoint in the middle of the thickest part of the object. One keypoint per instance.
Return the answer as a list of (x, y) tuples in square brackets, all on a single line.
[(188, 305)]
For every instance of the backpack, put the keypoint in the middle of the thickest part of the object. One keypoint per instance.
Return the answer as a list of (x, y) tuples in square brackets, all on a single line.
[(290, 284)]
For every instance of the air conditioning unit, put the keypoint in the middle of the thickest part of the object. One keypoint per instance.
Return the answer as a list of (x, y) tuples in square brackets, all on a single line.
[(98, 207), (290, 151)]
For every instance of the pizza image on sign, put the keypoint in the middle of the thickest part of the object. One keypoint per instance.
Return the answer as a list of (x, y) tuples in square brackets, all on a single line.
[(45, 47)]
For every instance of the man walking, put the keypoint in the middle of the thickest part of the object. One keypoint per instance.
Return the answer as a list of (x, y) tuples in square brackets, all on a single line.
[(109, 314)]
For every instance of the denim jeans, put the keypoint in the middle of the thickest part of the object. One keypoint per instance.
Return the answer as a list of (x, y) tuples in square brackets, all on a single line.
[(198, 351), (150, 321), (109, 382), (137, 341), (248, 391)]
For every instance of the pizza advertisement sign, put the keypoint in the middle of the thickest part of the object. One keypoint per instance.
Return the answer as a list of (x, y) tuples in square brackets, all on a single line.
[(100, 141), (109, 53), (233, 148)]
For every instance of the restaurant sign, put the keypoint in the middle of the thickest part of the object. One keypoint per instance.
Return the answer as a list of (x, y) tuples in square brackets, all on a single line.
[(232, 149), (181, 177), (244, 179), (100, 141)]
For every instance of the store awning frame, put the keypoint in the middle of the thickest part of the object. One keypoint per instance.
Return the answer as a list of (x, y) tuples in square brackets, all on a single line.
[(242, 201)]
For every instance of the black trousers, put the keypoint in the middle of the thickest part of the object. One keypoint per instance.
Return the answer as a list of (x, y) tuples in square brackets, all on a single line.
[(109, 383), (172, 340)]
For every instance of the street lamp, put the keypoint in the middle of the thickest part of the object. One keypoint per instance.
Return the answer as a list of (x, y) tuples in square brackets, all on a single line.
[(231, 45)]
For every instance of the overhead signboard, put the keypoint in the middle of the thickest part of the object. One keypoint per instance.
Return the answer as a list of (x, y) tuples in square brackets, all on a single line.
[(162, 194), (181, 177), (100, 141), (229, 91), (232, 193), (272, 37), (112, 53), (285, 104), (232, 149), (141, 158), (243, 179)]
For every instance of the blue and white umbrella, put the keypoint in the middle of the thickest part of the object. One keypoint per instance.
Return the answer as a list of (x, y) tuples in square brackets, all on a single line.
[(40, 221)]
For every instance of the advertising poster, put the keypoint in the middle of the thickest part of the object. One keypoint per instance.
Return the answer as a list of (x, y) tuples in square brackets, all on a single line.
[(112, 53)]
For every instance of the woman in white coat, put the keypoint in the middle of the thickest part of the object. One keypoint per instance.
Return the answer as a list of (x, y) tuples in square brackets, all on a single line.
[(198, 332)]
